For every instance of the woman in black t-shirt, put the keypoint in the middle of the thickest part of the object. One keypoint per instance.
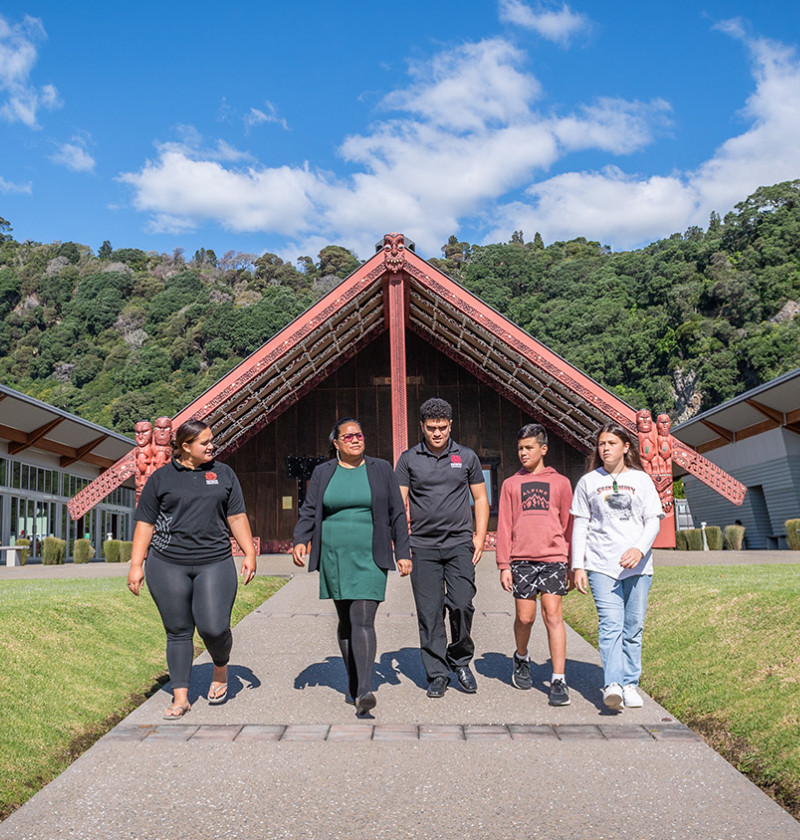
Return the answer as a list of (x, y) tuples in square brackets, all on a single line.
[(187, 511)]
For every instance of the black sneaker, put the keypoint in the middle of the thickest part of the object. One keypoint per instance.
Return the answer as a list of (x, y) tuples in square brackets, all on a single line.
[(521, 676), (559, 693)]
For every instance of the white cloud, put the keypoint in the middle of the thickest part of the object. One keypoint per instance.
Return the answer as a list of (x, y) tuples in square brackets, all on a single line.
[(558, 24), (469, 133), (21, 100), (74, 155), (629, 210), (11, 187), (269, 114)]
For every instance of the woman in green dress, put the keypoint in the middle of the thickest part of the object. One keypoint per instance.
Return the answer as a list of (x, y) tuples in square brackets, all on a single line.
[(352, 514)]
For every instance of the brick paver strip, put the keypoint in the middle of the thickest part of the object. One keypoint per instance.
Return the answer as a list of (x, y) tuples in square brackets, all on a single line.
[(173, 732), (217, 732), (528, 731), (441, 732), (255, 732), (629, 731), (673, 732), (128, 733), (395, 732), (305, 732), (493, 732), (575, 731), (350, 732)]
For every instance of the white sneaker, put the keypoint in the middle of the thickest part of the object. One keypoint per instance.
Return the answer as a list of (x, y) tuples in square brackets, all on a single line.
[(612, 696), (631, 697)]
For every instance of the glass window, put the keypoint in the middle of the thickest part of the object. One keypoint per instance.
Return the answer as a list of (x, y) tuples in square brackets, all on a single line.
[(3, 472)]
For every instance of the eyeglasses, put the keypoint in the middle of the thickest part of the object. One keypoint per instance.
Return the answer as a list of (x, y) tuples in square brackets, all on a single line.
[(351, 436)]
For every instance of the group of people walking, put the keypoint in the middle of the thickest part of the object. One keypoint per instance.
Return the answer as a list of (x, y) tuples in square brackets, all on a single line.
[(362, 519)]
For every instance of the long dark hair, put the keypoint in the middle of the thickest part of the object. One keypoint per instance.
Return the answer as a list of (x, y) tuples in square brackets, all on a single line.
[(335, 433), (187, 432), (632, 459)]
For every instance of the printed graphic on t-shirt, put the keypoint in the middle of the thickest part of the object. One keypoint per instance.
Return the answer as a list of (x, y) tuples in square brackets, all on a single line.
[(455, 462), (535, 496), (162, 535), (211, 478), (620, 505)]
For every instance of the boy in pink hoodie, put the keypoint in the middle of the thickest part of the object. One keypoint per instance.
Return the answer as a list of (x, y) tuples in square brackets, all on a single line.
[(533, 532)]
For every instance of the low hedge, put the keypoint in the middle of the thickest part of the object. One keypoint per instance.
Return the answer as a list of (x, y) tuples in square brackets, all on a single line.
[(681, 541), (111, 549), (125, 549), (53, 551), (793, 534), (714, 537), (733, 537), (82, 551), (23, 545)]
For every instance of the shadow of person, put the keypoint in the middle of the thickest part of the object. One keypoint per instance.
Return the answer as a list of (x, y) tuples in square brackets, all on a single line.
[(330, 673), (406, 662), (240, 678)]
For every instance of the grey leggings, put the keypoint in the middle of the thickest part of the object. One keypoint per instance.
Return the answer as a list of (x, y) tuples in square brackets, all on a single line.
[(356, 636), (200, 596)]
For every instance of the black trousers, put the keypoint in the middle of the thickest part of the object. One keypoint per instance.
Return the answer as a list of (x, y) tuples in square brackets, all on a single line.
[(198, 596), (443, 582)]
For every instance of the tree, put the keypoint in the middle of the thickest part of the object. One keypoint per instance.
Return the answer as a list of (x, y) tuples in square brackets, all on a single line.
[(334, 259), (5, 229), (105, 251)]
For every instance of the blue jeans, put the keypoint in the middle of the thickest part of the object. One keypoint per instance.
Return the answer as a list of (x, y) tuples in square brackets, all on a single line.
[(621, 607)]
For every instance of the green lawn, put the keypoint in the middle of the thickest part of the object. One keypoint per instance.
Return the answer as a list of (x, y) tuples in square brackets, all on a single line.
[(722, 653), (77, 655)]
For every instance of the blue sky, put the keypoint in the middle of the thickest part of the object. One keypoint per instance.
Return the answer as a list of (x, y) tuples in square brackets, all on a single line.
[(284, 127)]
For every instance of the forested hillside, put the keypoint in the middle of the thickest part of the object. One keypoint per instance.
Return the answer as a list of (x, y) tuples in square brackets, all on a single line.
[(678, 326)]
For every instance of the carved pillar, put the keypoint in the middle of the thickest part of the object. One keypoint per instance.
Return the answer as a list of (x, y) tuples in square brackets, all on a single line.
[(394, 251), (655, 450)]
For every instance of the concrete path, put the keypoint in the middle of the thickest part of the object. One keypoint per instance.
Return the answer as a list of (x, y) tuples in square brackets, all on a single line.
[(285, 757)]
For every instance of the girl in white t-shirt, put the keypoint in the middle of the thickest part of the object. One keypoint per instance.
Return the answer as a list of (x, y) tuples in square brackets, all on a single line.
[(616, 512)]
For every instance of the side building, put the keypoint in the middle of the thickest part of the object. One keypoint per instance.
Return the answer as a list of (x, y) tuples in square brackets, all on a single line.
[(754, 437), (47, 456)]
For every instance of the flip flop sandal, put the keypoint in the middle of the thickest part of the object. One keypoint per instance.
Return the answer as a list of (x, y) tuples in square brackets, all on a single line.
[(220, 694), (176, 711)]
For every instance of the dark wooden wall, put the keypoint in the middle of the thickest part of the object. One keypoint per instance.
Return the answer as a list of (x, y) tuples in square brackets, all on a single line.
[(482, 420)]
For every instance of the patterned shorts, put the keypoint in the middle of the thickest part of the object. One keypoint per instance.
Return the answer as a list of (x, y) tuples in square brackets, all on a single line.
[(529, 579)]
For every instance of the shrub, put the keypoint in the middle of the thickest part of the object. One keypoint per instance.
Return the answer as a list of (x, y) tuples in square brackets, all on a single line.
[(793, 534), (24, 546), (714, 537), (83, 551), (125, 549), (53, 551), (733, 537), (694, 537), (681, 541), (111, 550)]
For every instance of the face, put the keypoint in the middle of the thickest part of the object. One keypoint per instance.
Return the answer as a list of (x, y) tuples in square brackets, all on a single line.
[(163, 431), (612, 451), (350, 441), (531, 453), (662, 424), (436, 433), (644, 421), (201, 449), (143, 433)]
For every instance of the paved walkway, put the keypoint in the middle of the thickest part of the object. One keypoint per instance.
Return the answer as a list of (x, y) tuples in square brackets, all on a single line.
[(285, 757)]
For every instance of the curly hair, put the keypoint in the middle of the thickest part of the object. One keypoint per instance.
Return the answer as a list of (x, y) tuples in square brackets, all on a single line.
[(435, 409)]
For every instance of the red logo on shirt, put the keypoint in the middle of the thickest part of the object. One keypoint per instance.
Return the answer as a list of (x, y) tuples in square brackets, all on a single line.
[(211, 476), (455, 459)]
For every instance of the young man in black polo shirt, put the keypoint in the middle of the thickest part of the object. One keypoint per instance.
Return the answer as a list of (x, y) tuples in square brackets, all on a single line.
[(437, 477)]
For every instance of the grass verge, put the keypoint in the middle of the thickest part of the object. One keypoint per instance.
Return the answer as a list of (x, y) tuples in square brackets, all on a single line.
[(721, 653), (77, 656)]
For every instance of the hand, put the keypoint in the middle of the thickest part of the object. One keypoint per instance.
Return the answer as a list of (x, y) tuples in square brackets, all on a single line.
[(476, 556), (135, 579), (506, 579), (581, 580), (404, 567), (631, 558), (299, 554), (248, 571), (570, 580)]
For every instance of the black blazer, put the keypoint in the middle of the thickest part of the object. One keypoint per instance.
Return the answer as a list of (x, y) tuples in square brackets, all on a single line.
[(389, 523)]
